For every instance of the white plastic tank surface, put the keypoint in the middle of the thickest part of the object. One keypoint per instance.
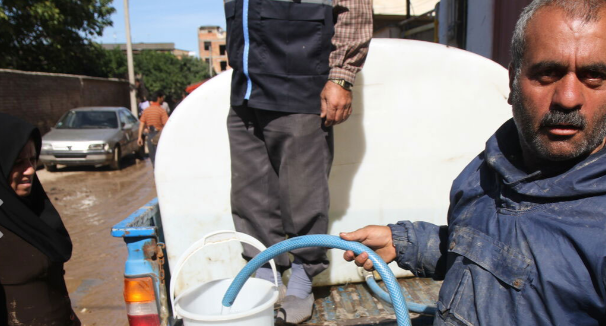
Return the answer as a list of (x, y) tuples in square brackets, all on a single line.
[(421, 112)]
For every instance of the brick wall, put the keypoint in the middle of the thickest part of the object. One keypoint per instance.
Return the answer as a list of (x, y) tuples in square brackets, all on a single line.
[(42, 98)]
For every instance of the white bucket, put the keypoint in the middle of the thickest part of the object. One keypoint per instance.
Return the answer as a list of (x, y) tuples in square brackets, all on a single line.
[(202, 305)]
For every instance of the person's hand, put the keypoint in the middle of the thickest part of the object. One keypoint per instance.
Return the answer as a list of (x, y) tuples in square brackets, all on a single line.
[(377, 238), (140, 141), (335, 104)]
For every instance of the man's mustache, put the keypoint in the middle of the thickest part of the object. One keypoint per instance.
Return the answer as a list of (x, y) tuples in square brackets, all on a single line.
[(570, 119)]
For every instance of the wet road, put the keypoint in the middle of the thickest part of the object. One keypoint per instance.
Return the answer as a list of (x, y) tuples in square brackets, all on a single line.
[(91, 201)]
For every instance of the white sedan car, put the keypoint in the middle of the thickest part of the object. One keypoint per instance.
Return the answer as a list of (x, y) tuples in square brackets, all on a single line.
[(91, 136)]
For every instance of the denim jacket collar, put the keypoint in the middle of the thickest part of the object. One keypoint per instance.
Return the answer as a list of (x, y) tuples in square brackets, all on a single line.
[(504, 155)]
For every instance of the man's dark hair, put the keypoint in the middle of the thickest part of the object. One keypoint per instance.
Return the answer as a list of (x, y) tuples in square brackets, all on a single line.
[(157, 95)]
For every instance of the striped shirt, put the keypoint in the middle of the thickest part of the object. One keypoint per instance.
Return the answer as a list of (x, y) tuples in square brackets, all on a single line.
[(353, 31), (155, 116)]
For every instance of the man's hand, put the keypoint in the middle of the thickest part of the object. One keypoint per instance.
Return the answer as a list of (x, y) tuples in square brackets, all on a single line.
[(140, 134), (377, 238), (335, 104)]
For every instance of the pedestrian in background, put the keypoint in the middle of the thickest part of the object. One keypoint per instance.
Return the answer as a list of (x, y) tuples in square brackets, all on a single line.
[(163, 104), (153, 120), (291, 83), (34, 243), (142, 95)]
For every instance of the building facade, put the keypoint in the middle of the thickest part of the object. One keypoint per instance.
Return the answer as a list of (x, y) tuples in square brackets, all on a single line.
[(211, 41)]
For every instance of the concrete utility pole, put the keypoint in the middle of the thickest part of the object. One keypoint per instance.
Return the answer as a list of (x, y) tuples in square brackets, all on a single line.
[(129, 61), (407, 9)]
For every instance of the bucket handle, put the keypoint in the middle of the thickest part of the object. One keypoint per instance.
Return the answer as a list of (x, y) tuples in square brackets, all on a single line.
[(217, 237)]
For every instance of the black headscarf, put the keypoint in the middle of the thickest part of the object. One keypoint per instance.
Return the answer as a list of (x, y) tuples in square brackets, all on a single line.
[(32, 218)]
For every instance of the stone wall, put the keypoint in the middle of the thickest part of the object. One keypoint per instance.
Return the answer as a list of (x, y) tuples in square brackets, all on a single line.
[(42, 98)]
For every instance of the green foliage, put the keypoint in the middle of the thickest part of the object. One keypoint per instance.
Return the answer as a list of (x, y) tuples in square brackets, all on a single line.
[(113, 63), (56, 36), (165, 72), (53, 35), (161, 71)]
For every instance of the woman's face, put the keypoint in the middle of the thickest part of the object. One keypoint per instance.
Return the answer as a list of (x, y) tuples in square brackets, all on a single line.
[(24, 170)]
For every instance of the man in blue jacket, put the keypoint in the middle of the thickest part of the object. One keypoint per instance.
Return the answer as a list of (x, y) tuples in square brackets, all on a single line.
[(525, 242), (294, 65)]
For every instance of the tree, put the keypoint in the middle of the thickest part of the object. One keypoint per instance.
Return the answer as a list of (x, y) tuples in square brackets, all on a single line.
[(113, 63), (169, 74), (160, 71), (53, 35)]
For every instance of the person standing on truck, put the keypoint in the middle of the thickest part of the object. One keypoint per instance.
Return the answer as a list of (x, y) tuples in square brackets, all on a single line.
[(34, 243), (153, 120), (293, 71), (525, 242)]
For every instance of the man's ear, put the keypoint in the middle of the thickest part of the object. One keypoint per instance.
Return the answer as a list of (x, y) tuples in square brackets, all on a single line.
[(512, 76)]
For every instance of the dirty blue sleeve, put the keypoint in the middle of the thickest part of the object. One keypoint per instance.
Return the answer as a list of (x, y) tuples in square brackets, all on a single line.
[(420, 247), (469, 177)]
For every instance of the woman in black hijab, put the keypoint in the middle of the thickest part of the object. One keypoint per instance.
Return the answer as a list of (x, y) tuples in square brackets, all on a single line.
[(34, 244)]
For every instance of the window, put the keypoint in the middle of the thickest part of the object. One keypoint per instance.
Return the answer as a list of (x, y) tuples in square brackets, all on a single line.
[(123, 119), (207, 46), (88, 120), (222, 49), (223, 65), (129, 116)]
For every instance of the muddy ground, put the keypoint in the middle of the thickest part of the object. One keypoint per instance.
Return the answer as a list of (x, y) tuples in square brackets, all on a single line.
[(90, 201)]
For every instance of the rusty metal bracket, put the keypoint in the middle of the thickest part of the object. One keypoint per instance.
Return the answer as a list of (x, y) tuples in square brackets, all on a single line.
[(160, 254)]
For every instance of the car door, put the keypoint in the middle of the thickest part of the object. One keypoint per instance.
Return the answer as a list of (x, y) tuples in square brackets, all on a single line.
[(134, 122), (128, 137)]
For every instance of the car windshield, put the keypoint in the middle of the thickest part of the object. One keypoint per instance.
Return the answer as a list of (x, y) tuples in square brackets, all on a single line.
[(88, 120)]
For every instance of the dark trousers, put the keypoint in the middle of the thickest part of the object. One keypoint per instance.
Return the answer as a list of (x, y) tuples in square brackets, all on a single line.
[(151, 147), (280, 164)]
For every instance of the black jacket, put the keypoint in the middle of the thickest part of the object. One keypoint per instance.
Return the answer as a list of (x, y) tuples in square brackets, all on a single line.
[(280, 56)]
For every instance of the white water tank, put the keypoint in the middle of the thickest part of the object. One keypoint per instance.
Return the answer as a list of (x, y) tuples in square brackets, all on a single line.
[(421, 112)]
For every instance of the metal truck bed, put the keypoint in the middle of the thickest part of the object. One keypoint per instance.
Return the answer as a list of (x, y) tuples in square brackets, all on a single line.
[(341, 305), (354, 304)]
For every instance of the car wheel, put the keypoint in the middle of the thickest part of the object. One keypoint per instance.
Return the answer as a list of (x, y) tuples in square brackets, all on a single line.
[(115, 164), (50, 167)]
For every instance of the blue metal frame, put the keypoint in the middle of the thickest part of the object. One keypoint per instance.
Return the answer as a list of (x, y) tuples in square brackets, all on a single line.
[(140, 230), (137, 263), (140, 223)]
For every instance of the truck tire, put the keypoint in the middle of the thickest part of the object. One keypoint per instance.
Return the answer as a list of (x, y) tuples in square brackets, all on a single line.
[(115, 164)]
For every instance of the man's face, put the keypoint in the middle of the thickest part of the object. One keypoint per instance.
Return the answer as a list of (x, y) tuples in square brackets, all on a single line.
[(559, 97)]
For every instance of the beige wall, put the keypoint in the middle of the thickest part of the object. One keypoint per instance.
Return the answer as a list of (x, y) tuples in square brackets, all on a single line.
[(42, 98), (217, 39)]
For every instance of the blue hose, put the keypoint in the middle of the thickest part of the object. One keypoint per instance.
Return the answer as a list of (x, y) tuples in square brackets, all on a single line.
[(412, 306), (328, 241)]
